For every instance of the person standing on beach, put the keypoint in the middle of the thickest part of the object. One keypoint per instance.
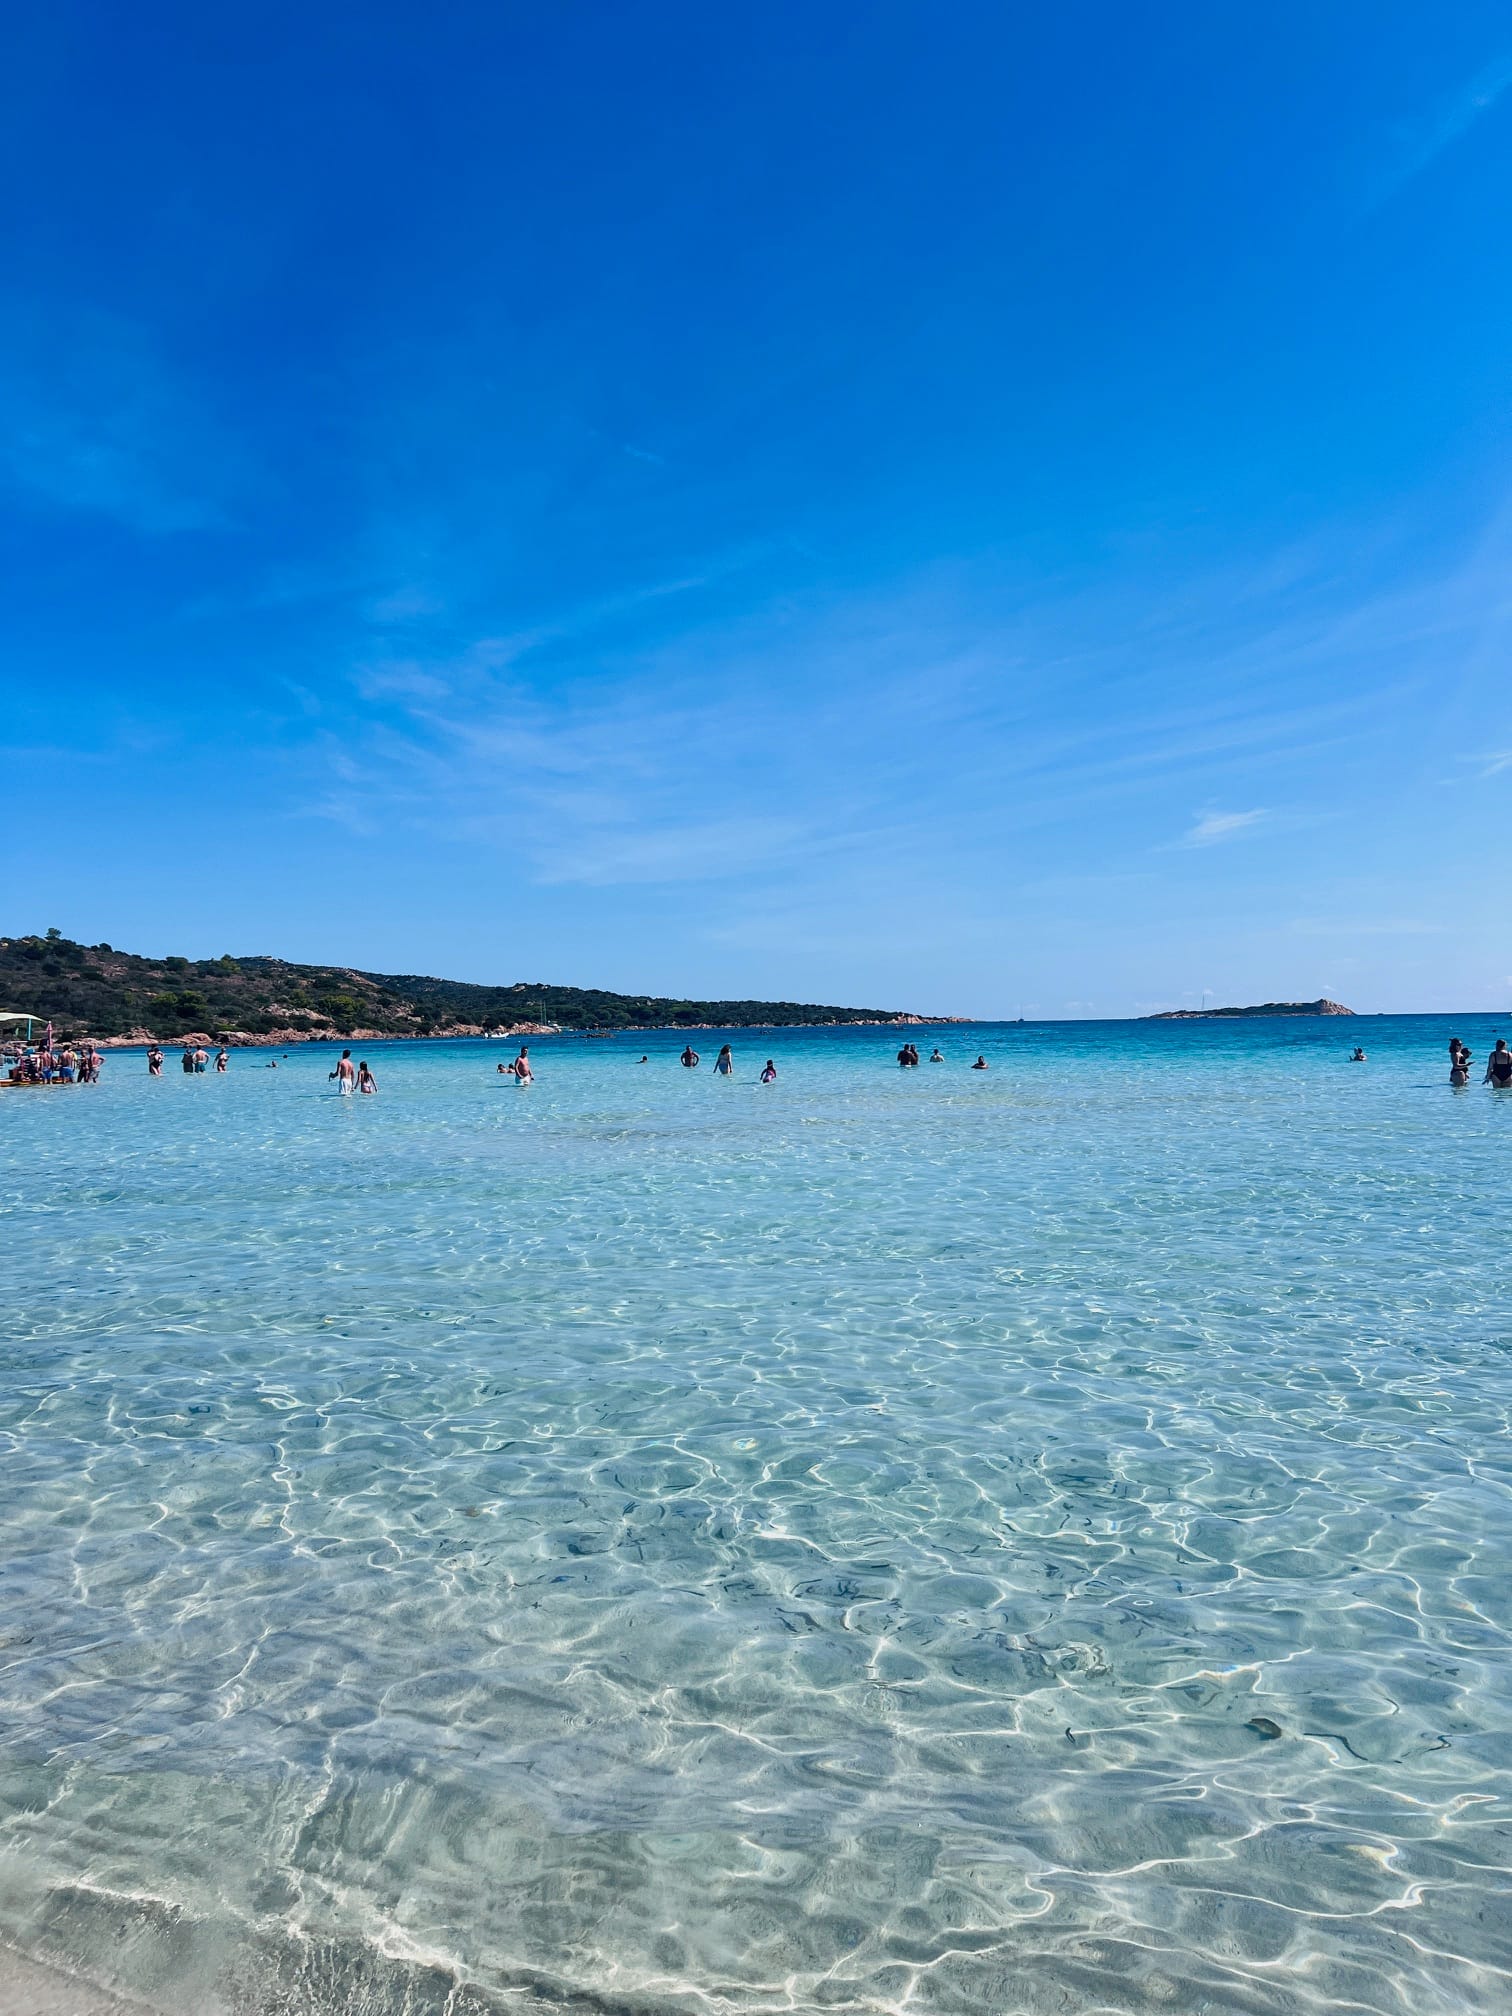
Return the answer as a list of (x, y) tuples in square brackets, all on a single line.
[(345, 1074), (724, 1063)]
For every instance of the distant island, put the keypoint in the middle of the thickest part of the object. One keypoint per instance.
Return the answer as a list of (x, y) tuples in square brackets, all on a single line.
[(121, 997), (1265, 1008)]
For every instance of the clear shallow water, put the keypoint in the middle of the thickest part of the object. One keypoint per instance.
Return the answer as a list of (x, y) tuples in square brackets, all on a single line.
[(669, 1546)]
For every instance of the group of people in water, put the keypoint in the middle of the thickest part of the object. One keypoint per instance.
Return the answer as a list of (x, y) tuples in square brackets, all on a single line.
[(190, 1061), (349, 1077), (68, 1065), (1498, 1065), (65, 1066), (908, 1057)]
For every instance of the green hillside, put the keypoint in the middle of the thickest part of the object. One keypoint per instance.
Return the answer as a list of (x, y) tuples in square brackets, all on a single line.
[(98, 991)]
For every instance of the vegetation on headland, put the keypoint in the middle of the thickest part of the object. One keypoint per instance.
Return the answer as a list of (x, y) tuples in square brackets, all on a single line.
[(97, 991), (1319, 1007)]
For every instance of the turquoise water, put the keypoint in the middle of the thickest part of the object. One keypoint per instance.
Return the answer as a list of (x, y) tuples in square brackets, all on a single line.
[(1029, 1541)]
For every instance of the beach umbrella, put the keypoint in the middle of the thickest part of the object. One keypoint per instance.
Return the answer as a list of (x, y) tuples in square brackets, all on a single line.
[(49, 1037)]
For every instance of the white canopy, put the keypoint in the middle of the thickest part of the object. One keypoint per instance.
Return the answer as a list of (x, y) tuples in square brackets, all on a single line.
[(19, 1015)]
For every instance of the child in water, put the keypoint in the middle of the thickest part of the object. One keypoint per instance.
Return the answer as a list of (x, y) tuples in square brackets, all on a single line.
[(769, 1073)]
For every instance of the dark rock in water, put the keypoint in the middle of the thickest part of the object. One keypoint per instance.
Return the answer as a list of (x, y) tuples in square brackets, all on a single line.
[(1264, 1728)]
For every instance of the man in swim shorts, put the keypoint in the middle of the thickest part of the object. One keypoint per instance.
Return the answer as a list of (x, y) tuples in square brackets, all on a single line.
[(345, 1073)]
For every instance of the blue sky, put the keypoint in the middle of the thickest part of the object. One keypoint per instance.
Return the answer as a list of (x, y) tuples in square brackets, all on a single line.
[(980, 509)]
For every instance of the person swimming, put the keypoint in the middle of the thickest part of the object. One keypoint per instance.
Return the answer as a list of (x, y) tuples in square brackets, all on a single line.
[(1499, 1066), (724, 1063), (689, 1058), (1358, 1057), (936, 1056), (981, 1065), (643, 1060), (769, 1072)]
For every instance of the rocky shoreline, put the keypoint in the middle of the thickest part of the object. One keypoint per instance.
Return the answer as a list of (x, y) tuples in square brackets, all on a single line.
[(286, 1039)]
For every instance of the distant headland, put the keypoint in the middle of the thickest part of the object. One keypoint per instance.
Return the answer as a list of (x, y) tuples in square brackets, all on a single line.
[(1264, 1008), (121, 997)]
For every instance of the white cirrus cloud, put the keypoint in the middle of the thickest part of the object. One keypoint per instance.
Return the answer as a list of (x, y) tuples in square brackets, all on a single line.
[(1211, 827)]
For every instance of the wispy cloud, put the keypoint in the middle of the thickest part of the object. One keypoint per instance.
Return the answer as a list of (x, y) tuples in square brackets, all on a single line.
[(805, 744), (1421, 141), (1211, 827)]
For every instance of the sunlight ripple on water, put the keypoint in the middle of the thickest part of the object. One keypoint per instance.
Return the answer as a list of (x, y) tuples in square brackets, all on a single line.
[(1027, 1541)]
